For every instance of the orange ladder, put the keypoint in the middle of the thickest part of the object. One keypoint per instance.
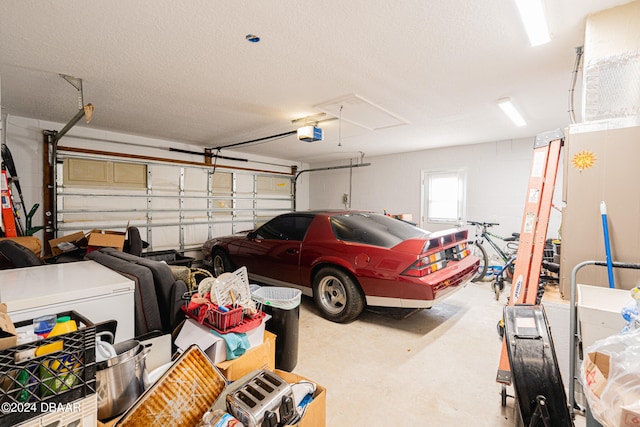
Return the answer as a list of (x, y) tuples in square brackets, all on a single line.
[(8, 219), (533, 234)]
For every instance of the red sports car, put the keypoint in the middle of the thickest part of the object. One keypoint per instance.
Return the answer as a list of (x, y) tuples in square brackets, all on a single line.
[(348, 259)]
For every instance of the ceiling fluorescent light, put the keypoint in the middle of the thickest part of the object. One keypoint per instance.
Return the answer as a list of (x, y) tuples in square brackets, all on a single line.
[(510, 110), (534, 21)]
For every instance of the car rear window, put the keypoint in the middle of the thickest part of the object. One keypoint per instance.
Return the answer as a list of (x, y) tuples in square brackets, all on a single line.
[(373, 229)]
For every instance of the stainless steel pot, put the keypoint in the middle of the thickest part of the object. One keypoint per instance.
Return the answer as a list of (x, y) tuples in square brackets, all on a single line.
[(125, 350), (120, 384)]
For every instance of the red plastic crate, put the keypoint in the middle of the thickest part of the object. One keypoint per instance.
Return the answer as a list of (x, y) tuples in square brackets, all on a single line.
[(247, 323), (214, 318), (222, 320)]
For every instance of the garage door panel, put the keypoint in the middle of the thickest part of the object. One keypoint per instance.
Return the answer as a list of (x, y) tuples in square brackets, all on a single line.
[(175, 206)]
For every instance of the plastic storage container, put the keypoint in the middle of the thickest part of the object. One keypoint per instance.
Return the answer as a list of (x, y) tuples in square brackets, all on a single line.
[(218, 418), (171, 257), (35, 392), (64, 325), (283, 304), (58, 375), (599, 312), (44, 324)]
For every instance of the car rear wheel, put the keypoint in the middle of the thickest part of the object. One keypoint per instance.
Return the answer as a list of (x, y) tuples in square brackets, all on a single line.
[(337, 295), (220, 262)]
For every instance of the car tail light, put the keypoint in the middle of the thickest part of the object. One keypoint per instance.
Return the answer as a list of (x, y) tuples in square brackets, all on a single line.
[(427, 265), (460, 251)]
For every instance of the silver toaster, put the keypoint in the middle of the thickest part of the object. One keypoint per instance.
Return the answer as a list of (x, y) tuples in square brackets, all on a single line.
[(266, 400)]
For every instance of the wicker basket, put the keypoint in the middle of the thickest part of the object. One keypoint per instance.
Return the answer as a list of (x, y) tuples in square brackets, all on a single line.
[(190, 276)]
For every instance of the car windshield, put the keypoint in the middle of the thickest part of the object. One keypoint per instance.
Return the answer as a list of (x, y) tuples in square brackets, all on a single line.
[(373, 229)]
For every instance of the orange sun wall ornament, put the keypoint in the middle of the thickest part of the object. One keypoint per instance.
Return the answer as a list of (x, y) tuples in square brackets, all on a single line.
[(584, 160)]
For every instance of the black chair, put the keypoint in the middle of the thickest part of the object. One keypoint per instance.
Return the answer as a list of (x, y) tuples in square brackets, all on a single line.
[(17, 255), (134, 243)]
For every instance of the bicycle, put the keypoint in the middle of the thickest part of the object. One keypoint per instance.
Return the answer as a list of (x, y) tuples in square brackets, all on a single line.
[(498, 278), (549, 272), (506, 252)]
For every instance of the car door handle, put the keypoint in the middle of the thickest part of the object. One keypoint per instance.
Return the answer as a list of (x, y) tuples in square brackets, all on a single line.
[(293, 251)]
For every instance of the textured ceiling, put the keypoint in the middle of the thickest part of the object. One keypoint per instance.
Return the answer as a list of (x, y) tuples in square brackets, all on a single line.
[(183, 71)]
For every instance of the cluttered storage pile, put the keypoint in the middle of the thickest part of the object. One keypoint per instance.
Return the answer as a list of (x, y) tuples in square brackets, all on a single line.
[(218, 368)]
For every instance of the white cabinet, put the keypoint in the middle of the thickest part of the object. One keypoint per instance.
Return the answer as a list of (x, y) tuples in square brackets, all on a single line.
[(87, 287)]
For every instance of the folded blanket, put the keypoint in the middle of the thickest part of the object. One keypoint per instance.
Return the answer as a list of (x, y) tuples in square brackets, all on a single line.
[(237, 344)]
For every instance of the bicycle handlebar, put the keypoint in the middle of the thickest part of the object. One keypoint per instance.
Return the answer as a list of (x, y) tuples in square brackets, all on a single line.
[(483, 224)]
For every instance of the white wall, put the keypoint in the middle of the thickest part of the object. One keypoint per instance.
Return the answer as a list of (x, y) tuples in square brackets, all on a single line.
[(25, 140), (26, 148), (497, 181)]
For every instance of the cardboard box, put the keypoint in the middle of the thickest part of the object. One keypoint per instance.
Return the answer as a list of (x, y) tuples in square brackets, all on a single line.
[(260, 356), (630, 416), (106, 239), (32, 243), (8, 336), (256, 358), (597, 372), (78, 239), (316, 413), (617, 152), (256, 335), (194, 333)]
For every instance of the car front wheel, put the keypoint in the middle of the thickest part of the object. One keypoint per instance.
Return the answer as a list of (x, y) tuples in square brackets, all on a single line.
[(220, 262), (337, 295)]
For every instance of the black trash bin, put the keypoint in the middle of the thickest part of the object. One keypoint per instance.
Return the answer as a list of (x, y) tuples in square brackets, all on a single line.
[(283, 304)]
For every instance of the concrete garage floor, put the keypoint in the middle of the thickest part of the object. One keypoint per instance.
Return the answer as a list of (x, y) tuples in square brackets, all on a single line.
[(435, 367)]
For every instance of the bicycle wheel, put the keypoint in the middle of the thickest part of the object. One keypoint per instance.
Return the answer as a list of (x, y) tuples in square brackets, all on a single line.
[(480, 252), (512, 247)]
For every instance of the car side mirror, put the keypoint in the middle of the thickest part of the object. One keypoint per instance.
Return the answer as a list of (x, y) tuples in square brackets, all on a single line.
[(252, 235)]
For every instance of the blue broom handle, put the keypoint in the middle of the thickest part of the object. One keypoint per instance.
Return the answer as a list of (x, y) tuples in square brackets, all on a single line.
[(607, 245)]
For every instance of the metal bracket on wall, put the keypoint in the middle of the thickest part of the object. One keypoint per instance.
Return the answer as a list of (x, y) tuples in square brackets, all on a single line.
[(77, 83), (83, 110)]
